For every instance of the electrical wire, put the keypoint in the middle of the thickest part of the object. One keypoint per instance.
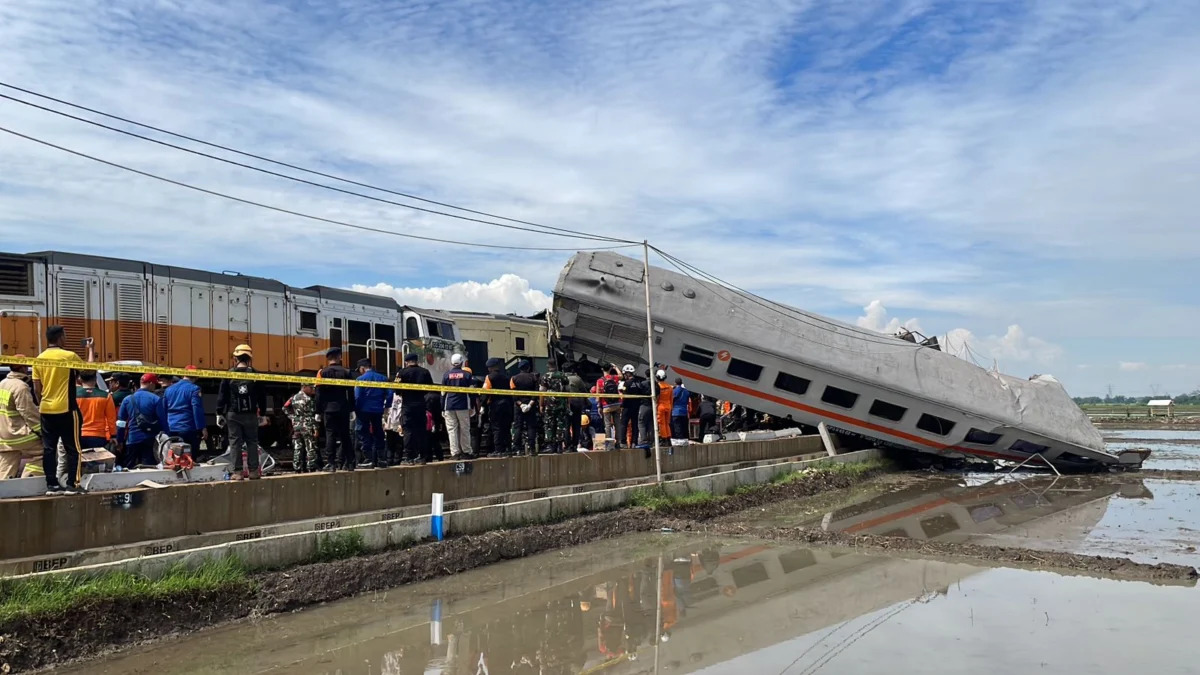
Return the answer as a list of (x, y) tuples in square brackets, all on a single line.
[(898, 344), (549, 228), (779, 308), (302, 180), (290, 212)]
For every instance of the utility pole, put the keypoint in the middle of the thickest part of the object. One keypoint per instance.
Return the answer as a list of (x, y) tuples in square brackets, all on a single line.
[(650, 354), (1110, 391)]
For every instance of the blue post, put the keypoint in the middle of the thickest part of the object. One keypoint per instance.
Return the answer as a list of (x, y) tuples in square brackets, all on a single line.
[(436, 525)]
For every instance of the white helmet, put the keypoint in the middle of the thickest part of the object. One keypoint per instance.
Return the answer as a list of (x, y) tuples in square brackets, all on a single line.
[(628, 368), (456, 360), (660, 374)]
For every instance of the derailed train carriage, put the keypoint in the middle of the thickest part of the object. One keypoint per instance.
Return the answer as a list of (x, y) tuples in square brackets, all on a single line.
[(801, 366)]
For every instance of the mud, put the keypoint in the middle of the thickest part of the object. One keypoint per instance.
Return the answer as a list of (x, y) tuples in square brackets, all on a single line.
[(89, 631), (1023, 558)]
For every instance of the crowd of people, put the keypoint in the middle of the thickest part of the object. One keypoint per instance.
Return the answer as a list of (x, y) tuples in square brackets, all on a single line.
[(49, 416)]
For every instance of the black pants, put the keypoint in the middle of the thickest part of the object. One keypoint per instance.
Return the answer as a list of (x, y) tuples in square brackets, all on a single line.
[(395, 447), (416, 438), (708, 425), (500, 419), (61, 427), (576, 405), (337, 432), (628, 420), (525, 430), (679, 426), (138, 454)]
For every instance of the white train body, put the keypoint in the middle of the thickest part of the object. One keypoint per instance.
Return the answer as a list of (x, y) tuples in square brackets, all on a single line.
[(793, 364)]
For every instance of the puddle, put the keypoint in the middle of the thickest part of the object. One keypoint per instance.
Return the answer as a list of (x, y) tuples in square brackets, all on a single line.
[(669, 604)]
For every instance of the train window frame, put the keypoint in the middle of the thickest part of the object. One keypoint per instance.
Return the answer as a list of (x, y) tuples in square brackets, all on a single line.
[(446, 329), (744, 368), (886, 410), (933, 424), (783, 382), (837, 396), (433, 328), (412, 328), (304, 327), (981, 437), (16, 275), (1022, 445), (519, 344), (697, 356)]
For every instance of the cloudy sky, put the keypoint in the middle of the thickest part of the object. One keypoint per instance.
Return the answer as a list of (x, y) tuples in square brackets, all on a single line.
[(1019, 175)]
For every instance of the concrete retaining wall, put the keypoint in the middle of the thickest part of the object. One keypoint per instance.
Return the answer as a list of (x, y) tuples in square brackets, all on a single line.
[(293, 547), (48, 527)]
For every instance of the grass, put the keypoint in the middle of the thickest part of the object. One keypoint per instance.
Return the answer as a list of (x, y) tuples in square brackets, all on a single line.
[(339, 546), (657, 499), (59, 593)]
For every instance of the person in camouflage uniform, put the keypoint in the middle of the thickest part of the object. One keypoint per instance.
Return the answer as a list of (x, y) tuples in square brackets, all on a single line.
[(556, 414), (302, 411)]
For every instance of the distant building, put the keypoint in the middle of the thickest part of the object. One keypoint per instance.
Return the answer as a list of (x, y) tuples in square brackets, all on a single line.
[(1162, 406), (503, 336)]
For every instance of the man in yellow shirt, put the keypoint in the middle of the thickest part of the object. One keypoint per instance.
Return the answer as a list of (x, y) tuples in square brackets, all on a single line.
[(61, 421)]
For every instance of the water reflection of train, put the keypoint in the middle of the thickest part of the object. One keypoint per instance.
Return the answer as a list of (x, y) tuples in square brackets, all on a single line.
[(714, 602)]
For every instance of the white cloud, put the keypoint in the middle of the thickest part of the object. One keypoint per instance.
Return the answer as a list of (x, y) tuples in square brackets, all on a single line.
[(508, 294), (1131, 366), (1014, 347), (875, 318)]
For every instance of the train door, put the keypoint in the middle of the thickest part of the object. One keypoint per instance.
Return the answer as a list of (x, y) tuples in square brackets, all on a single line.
[(268, 332), (239, 319), (124, 305), (77, 309), (191, 321)]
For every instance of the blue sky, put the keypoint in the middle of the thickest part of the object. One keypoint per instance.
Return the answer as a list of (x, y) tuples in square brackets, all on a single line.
[(968, 166)]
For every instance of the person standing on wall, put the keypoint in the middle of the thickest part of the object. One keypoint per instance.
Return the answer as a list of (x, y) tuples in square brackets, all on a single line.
[(98, 412), (301, 410), (664, 395), (500, 408), (20, 424), (631, 405), (369, 405), (525, 429), (577, 404), (413, 411), (185, 412), (243, 406), (334, 403), (680, 397), (142, 417), (708, 416), (607, 389), (54, 386), (458, 409), (393, 428)]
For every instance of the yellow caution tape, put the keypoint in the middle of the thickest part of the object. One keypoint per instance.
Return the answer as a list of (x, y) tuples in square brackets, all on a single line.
[(288, 379)]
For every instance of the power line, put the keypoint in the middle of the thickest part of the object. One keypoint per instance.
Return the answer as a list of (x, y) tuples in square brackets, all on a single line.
[(290, 212), (787, 312), (681, 265), (276, 162), (302, 180)]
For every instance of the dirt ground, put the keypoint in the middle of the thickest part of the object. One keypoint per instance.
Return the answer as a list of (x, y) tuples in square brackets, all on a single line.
[(93, 630)]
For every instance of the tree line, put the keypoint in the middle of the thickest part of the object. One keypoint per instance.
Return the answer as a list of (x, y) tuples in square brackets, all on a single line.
[(1183, 399)]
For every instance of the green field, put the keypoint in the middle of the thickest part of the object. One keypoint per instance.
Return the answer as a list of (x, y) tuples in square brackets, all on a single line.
[(1107, 410)]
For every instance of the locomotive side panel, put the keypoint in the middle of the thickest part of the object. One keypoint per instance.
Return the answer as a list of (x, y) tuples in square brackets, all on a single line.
[(22, 303)]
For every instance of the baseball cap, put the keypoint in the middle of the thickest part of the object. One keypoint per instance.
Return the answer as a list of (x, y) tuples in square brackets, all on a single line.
[(410, 358), (149, 378), (190, 367)]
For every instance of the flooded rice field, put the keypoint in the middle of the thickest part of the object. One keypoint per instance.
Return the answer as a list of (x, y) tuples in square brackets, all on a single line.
[(1172, 448), (683, 603)]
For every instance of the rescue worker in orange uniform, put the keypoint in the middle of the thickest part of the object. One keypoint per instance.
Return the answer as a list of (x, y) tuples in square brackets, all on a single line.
[(664, 397)]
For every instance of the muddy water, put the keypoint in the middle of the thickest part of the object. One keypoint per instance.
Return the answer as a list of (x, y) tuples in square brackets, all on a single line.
[(671, 604), (1170, 448)]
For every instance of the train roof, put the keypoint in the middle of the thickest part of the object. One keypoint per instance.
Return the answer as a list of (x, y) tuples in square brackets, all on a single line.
[(354, 297), (487, 316), (137, 267)]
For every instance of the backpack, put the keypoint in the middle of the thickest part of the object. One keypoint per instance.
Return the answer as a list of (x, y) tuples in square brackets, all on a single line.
[(143, 423), (610, 386), (241, 395)]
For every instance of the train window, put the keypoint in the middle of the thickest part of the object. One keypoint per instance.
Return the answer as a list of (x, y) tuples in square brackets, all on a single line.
[(839, 397), (447, 330), (433, 327), (888, 411), (386, 333), (16, 277), (1026, 446), (520, 344), (308, 321), (697, 356), (744, 369), (935, 425), (359, 333), (337, 323), (980, 437), (792, 384), (412, 328), (335, 338)]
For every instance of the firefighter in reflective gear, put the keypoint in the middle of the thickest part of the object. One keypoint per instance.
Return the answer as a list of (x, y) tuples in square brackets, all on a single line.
[(301, 409), (556, 414), (20, 425), (665, 397)]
